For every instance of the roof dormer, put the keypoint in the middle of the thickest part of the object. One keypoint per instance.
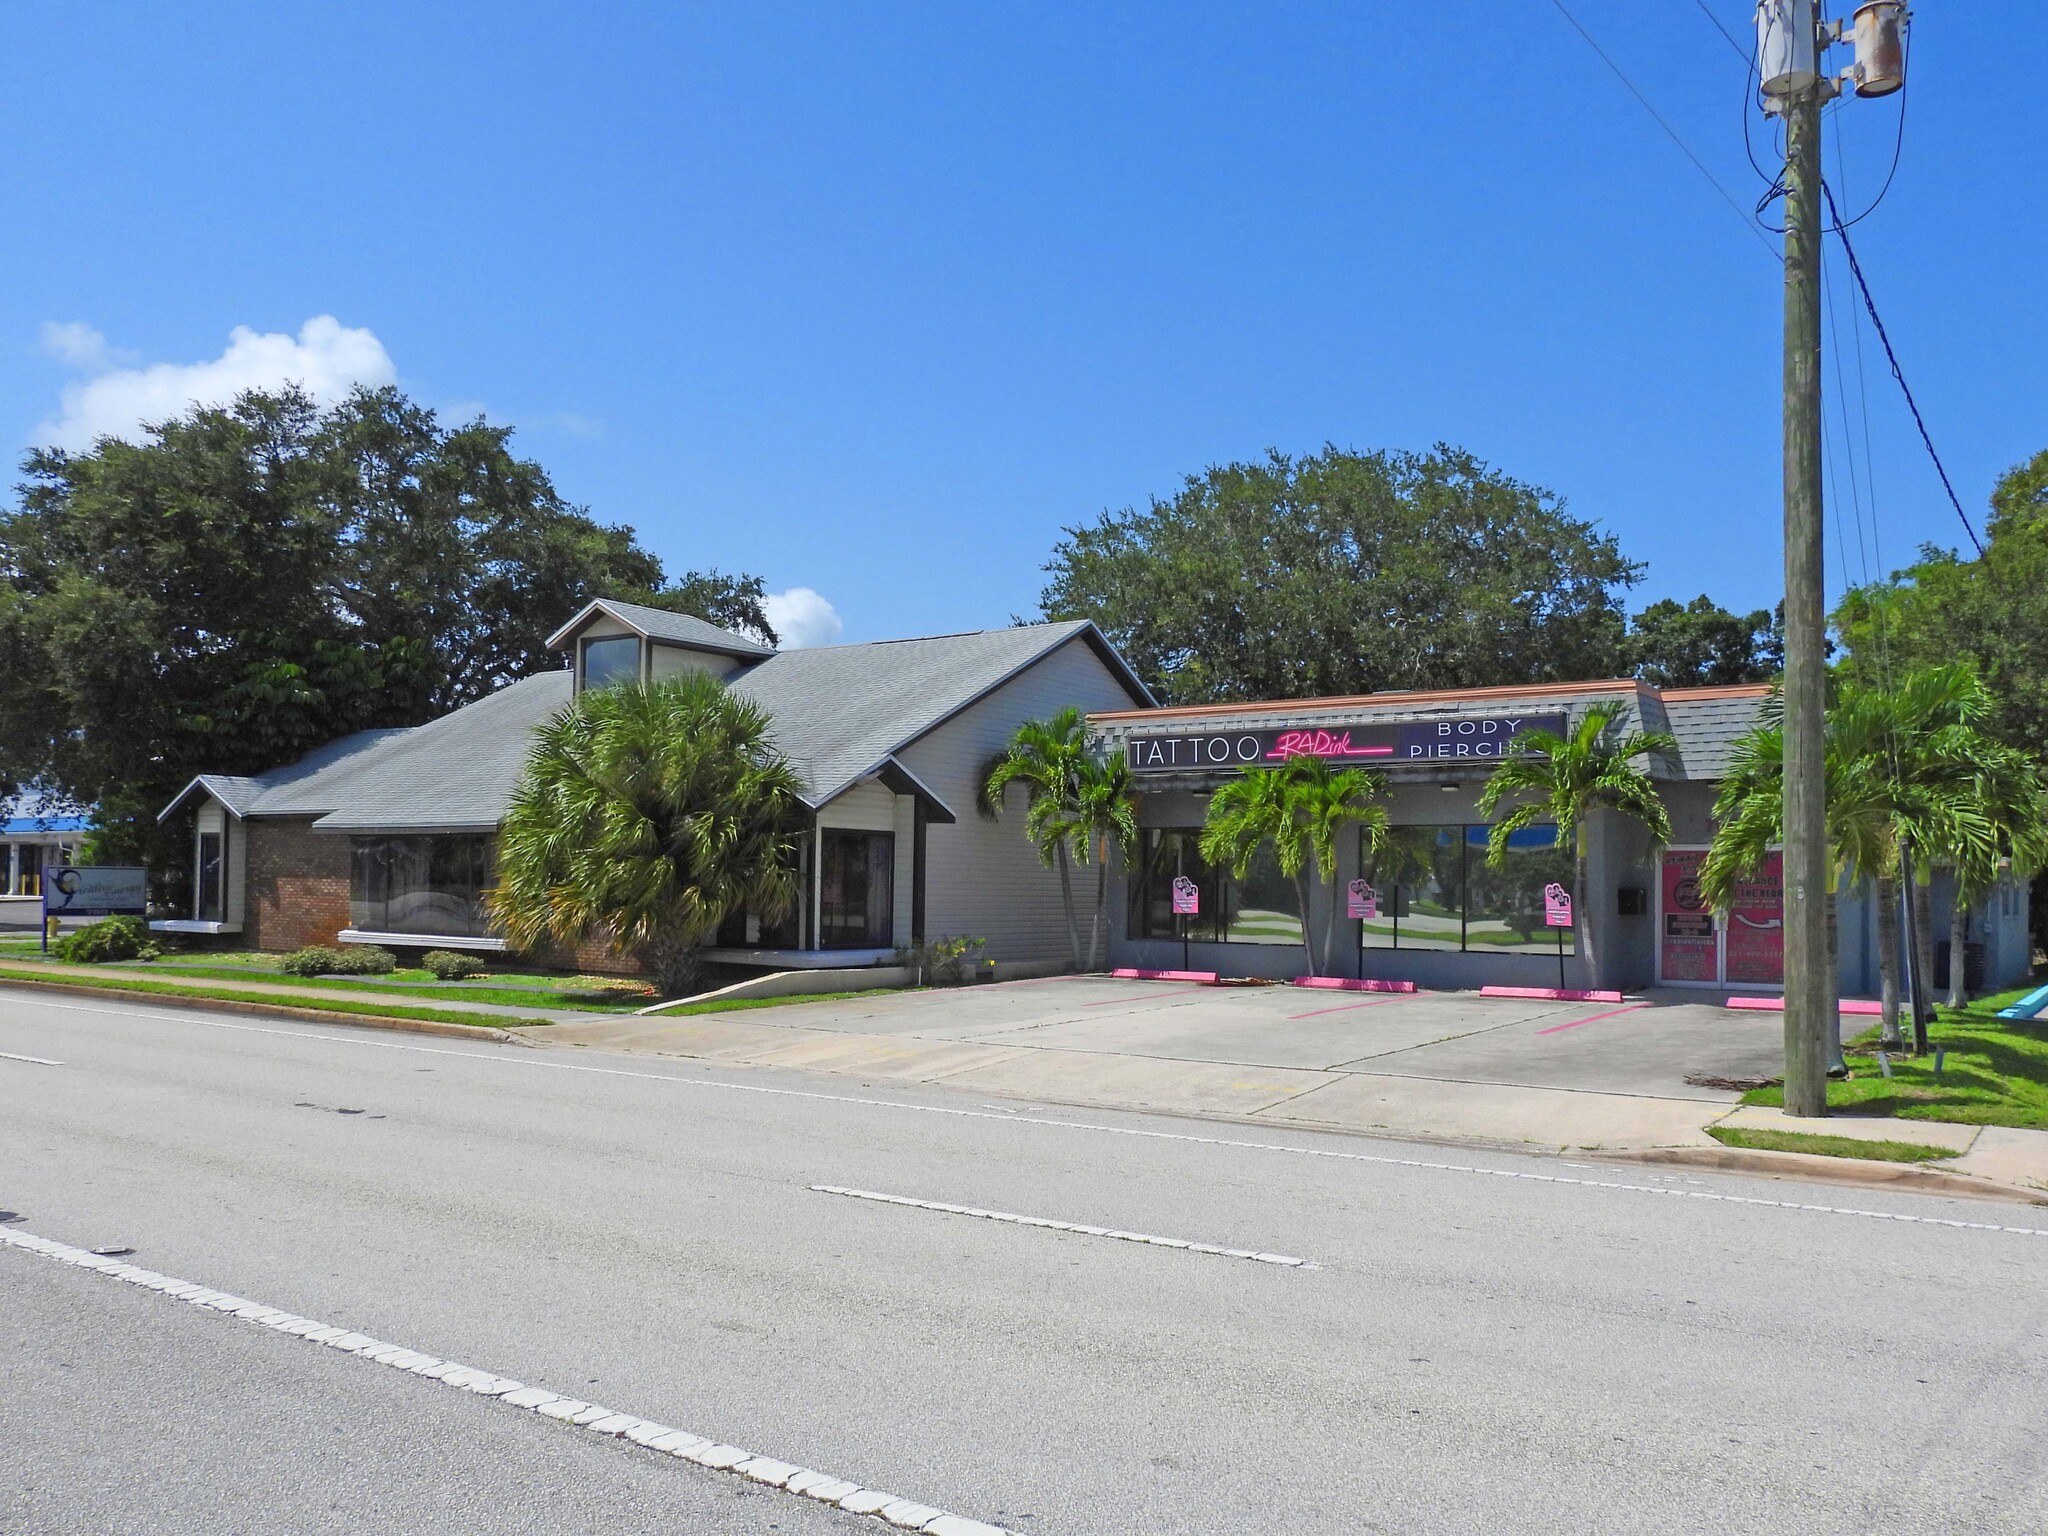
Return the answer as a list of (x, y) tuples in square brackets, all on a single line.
[(612, 642)]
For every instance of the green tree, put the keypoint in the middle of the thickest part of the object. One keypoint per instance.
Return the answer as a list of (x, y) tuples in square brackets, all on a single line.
[(1105, 817), (1345, 573), (250, 581), (1700, 644), (1991, 612), (650, 813), (1048, 760), (1300, 809), (2010, 790), (1562, 780)]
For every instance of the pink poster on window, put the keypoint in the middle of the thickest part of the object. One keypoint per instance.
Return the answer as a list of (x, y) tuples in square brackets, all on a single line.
[(1688, 926), (1756, 925)]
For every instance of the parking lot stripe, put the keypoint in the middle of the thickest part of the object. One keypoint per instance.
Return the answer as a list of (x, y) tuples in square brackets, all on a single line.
[(1373, 1002), (1142, 997), (1596, 1018)]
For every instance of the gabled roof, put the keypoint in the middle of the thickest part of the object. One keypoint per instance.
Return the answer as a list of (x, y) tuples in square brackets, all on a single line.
[(660, 624), (842, 711)]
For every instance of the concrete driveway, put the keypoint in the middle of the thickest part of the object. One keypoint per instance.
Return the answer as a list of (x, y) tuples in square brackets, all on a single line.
[(1446, 1064)]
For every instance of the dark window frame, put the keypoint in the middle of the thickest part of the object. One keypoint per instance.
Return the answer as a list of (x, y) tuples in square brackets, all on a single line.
[(589, 642), (877, 876)]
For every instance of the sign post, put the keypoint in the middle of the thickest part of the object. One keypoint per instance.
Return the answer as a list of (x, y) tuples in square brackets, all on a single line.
[(93, 890), (1187, 903), (1361, 904), (1557, 913)]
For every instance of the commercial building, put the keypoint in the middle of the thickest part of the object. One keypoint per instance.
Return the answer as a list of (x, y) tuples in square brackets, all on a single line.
[(1441, 914), (388, 837), (33, 838)]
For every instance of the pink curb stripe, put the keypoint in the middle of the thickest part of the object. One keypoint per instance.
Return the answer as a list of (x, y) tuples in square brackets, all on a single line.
[(1777, 1004), (1371, 1002), (1554, 994), (1349, 984), (1108, 1002), (1575, 1023), (1202, 976)]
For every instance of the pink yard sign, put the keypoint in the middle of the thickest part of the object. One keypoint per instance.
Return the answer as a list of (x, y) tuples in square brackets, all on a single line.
[(1361, 900), (1187, 897), (1557, 906)]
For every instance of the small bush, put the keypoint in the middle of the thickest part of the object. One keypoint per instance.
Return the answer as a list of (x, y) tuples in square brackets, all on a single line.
[(366, 960), (945, 959), (313, 960), (447, 965), (111, 938)]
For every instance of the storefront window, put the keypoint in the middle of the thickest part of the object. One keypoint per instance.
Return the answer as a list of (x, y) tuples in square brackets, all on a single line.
[(424, 885), (857, 891), (1436, 891), (1265, 906), (613, 659), (1165, 853)]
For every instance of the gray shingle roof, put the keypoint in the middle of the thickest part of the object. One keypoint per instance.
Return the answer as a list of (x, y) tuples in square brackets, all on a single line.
[(840, 713), (660, 624), (1707, 727), (840, 710)]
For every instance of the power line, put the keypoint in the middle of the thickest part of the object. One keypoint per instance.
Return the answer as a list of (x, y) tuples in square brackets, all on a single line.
[(1740, 52), (1670, 132), (1877, 324)]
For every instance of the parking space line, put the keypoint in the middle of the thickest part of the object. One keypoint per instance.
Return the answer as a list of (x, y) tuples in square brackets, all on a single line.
[(40, 1061), (1107, 1001), (1596, 1018), (1374, 1002), (1287, 1260)]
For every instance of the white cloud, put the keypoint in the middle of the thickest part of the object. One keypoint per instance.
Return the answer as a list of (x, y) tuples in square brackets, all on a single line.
[(802, 618), (327, 358)]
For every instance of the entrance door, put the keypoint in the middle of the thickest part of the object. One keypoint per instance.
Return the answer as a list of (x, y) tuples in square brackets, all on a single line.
[(1694, 950)]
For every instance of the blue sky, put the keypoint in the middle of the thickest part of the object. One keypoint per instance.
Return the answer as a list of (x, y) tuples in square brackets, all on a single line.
[(873, 299)]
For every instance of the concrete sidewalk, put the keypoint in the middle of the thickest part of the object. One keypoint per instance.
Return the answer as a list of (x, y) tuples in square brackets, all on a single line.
[(1526, 1074)]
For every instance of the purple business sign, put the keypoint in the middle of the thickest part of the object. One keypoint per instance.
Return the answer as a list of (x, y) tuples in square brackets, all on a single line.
[(1447, 739)]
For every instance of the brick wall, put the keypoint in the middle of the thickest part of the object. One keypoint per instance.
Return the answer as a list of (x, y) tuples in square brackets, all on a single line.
[(297, 890)]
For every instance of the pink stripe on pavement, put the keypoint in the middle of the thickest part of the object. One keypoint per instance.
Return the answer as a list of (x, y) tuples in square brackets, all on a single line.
[(1372, 1002), (1105, 1002), (1575, 1023)]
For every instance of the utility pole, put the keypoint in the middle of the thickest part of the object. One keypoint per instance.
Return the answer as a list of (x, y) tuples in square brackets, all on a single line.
[(1794, 86)]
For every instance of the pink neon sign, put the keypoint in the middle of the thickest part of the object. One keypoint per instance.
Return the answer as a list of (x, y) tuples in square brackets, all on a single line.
[(1322, 744)]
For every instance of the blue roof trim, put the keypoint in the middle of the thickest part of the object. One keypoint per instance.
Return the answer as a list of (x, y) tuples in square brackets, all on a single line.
[(23, 826)]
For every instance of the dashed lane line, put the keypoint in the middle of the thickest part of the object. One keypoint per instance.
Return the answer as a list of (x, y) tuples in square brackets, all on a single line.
[(40, 1061), (1429, 1165), (1285, 1259), (705, 1451)]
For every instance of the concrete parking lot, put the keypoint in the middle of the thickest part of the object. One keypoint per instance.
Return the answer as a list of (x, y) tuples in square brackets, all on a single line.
[(1454, 1064)]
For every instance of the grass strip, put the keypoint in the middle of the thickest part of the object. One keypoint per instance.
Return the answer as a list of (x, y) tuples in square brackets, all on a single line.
[(483, 992), (1764, 1140), (1994, 1071), (301, 1004), (734, 1004)]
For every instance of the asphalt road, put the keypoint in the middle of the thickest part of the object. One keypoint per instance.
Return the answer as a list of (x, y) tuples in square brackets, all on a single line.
[(1486, 1342)]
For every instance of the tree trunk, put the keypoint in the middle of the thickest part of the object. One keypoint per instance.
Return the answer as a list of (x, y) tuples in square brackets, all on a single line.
[(1888, 967), (1923, 933), (1582, 920), (1101, 903), (1067, 898), (673, 957), (1308, 933), (1958, 943)]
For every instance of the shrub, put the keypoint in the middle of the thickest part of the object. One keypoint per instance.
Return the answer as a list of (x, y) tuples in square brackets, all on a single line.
[(313, 960), (111, 938), (942, 959), (365, 960), (447, 965)]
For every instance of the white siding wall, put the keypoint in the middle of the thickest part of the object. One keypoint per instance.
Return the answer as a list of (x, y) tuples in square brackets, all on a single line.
[(874, 807), (676, 660), (983, 878), (238, 870)]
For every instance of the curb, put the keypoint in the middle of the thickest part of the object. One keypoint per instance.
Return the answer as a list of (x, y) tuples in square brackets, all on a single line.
[(274, 1011), (1910, 1178)]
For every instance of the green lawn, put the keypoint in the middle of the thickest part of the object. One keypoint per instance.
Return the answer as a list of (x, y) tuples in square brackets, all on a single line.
[(1996, 1072), (143, 986), (1766, 1140)]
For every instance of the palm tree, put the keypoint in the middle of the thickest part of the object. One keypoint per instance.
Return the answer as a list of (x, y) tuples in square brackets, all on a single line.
[(1049, 758), (1300, 808), (1898, 767), (649, 812), (2011, 791), (1563, 780), (1105, 814)]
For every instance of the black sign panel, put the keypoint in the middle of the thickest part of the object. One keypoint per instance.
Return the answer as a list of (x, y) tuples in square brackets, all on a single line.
[(1450, 739)]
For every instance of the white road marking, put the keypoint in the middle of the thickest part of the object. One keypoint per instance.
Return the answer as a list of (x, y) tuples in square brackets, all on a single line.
[(704, 1451), (1425, 1164), (41, 1061), (1069, 1226)]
